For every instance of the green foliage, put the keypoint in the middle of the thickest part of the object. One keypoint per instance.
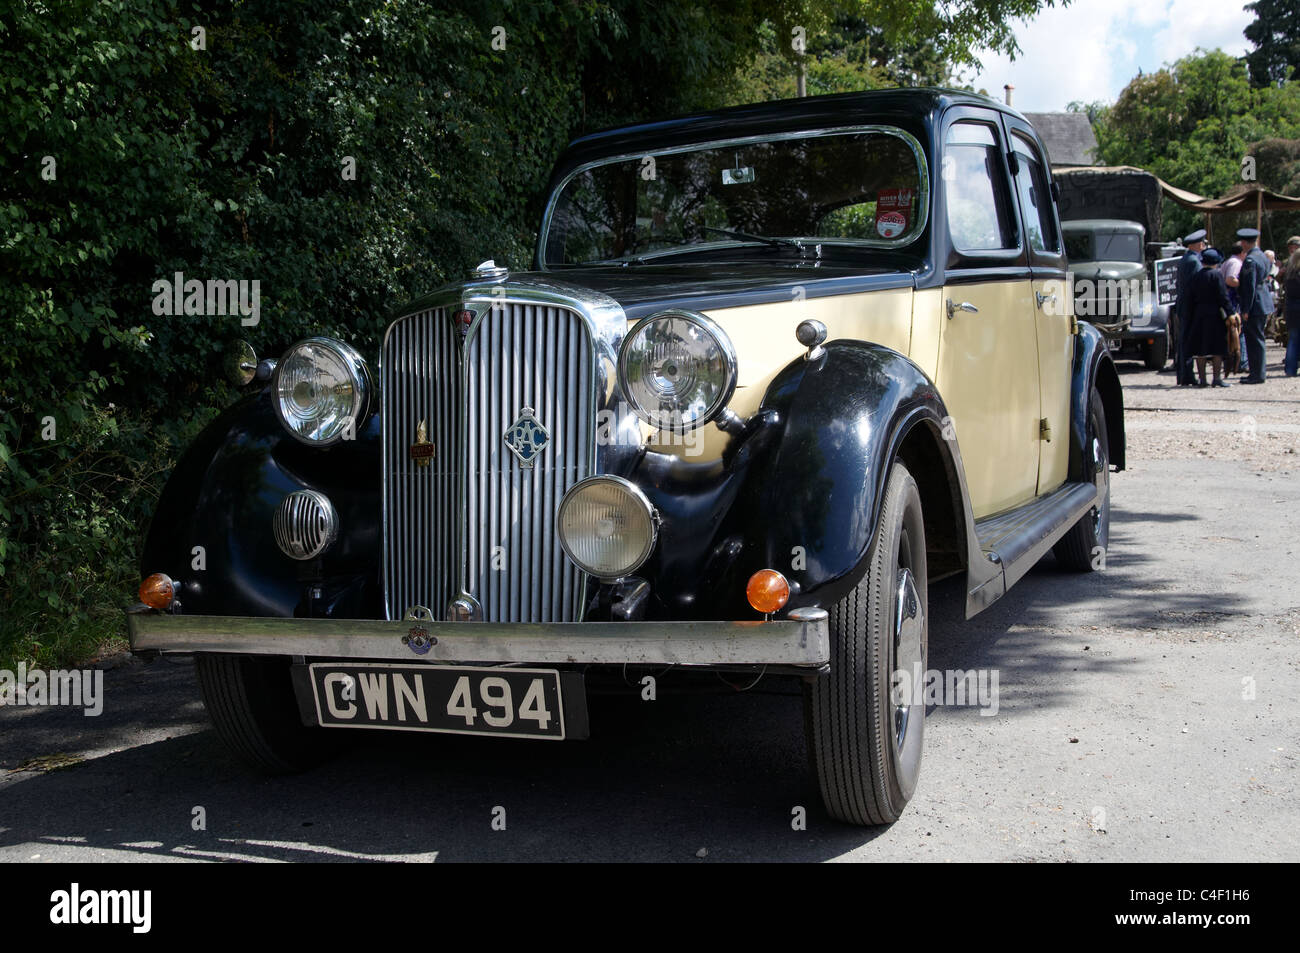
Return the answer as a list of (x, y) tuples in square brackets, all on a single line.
[(872, 44), (1192, 124), (130, 151), (1275, 34), (849, 55)]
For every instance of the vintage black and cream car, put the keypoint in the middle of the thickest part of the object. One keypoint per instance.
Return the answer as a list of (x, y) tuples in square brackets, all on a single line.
[(774, 371)]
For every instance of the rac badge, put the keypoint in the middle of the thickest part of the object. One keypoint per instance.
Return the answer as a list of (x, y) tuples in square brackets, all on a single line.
[(419, 641), (422, 450), (527, 438)]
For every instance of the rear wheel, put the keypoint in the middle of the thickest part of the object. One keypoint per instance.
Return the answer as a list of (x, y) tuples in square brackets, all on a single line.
[(1083, 548), (251, 703), (866, 725)]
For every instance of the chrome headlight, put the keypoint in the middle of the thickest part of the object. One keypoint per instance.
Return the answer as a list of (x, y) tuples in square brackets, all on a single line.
[(607, 526), (677, 370), (321, 385)]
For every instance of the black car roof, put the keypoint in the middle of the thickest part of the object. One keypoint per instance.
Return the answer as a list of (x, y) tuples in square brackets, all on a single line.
[(907, 107)]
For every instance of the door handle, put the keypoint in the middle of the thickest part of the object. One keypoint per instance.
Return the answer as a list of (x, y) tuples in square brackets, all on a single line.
[(1044, 297), (953, 308)]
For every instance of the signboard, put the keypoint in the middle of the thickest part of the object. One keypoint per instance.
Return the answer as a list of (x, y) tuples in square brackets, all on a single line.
[(1166, 276)]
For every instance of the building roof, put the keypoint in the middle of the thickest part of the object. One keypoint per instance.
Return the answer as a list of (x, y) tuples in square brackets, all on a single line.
[(1068, 137)]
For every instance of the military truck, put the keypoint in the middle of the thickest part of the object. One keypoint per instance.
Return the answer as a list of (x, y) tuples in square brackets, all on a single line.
[(1111, 221)]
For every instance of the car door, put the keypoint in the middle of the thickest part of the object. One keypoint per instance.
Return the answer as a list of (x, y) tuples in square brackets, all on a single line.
[(1054, 305), (988, 347)]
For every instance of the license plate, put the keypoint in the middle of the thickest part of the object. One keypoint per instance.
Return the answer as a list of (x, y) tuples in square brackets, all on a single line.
[(456, 699)]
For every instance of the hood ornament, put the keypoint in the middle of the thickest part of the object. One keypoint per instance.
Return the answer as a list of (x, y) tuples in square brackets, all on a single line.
[(422, 451), (490, 271), (527, 438)]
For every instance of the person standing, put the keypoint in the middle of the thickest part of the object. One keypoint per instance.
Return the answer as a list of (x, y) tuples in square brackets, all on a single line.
[(1256, 302), (1231, 269), (1207, 337), (1187, 270), (1291, 288)]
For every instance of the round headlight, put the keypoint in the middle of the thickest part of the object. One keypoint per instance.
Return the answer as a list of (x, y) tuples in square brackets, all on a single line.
[(677, 370), (607, 526), (321, 386)]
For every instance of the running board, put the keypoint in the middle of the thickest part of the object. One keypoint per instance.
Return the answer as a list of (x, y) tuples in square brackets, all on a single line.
[(1014, 541)]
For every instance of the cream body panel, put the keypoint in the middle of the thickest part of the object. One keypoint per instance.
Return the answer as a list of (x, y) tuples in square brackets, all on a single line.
[(927, 326), (1055, 372), (763, 336), (988, 378)]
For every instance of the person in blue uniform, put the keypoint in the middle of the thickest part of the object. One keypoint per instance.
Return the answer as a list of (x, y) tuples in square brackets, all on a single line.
[(1207, 337), (1256, 302), (1187, 269)]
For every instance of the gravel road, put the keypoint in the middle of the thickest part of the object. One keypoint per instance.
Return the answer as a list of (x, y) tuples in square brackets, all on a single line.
[(1149, 712)]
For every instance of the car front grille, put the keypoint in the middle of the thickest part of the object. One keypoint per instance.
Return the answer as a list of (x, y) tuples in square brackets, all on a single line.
[(475, 520)]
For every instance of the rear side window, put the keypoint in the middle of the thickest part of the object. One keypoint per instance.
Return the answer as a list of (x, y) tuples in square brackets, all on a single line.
[(1035, 198), (979, 208)]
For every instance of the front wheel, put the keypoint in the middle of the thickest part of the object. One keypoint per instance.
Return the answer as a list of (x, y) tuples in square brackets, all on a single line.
[(251, 703), (866, 723), (1083, 548), (1155, 354)]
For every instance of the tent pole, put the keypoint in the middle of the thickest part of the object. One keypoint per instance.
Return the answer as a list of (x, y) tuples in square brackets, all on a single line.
[(1259, 208)]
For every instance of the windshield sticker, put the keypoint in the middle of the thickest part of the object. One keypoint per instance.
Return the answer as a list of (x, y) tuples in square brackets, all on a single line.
[(893, 211)]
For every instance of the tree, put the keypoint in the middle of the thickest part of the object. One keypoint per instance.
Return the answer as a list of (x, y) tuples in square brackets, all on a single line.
[(1193, 124), (1275, 33), (853, 45)]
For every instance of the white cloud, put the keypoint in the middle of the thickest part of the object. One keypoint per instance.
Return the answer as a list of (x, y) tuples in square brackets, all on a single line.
[(1089, 51), (1208, 26)]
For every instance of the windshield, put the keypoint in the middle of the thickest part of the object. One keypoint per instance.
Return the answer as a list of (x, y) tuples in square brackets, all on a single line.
[(865, 188), (1103, 246)]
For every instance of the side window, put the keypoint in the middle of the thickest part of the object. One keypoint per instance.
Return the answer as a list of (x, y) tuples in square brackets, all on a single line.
[(979, 208), (1035, 198)]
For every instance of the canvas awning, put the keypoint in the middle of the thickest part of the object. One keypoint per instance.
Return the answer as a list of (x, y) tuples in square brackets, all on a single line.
[(1245, 198)]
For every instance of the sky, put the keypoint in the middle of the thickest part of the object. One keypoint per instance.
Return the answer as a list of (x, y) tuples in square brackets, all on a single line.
[(1091, 49)]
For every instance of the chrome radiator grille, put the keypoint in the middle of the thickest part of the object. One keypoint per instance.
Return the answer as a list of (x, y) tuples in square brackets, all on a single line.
[(475, 519)]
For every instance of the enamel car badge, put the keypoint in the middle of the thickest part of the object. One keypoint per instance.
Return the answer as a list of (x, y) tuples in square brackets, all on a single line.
[(527, 438), (422, 450)]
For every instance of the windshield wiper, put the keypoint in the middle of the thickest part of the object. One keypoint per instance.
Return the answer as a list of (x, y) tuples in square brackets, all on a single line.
[(742, 236)]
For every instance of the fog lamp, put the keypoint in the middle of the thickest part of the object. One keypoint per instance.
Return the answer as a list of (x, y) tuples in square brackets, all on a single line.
[(607, 526)]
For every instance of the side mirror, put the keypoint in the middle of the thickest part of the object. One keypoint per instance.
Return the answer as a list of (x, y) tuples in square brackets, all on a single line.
[(241, 364)]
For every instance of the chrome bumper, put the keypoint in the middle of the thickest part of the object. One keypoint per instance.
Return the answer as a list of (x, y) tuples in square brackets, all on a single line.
[(801, 640)]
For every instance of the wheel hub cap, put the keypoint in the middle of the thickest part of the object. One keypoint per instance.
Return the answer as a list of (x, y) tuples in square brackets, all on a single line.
[(909, 624)]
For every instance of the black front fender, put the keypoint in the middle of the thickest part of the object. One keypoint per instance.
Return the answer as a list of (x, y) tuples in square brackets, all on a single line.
[(802, 492), (222, 497)]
